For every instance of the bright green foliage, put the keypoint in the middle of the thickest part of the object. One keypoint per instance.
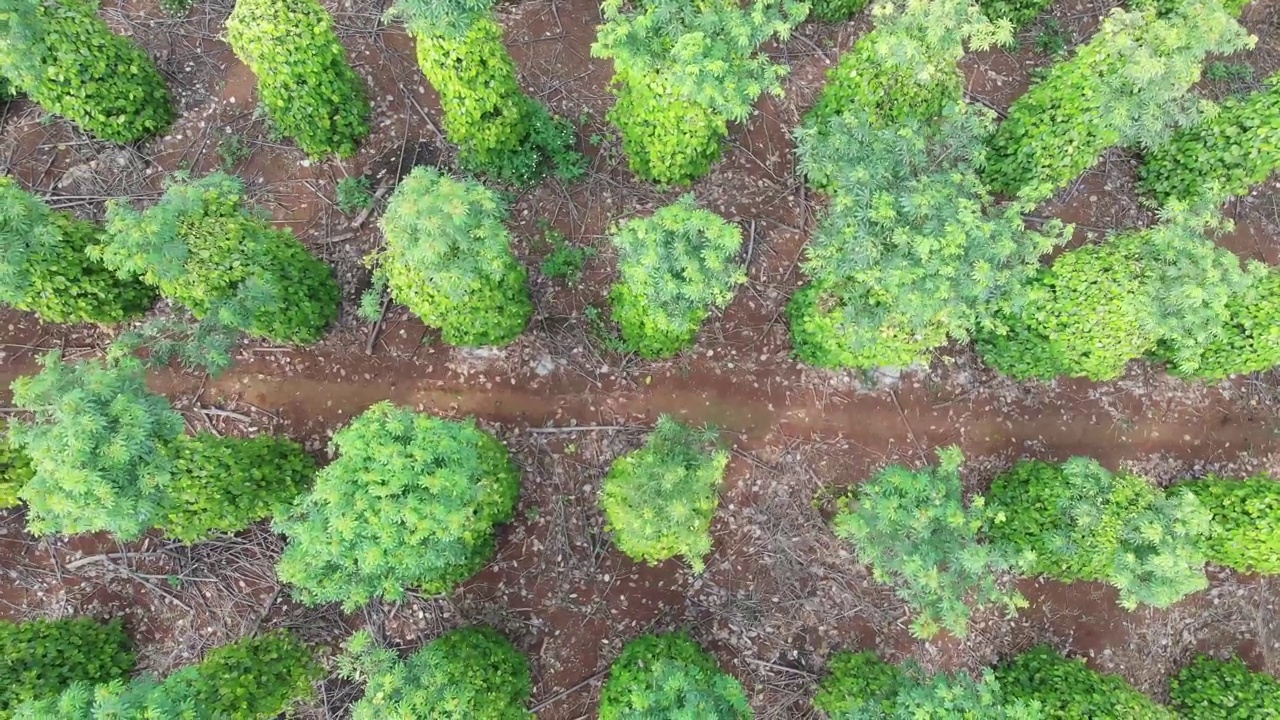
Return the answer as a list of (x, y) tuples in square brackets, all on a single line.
[(1069, 690), (223, 485), (1126, 86), (204, 248), (40, 658), (469, 674), (913, 529), (683, 70), (836, 10), (907, 257), (44, 268), (861, 686), (1166, 291), (448, 258), (411, 501), (256, 678), (1250, 339), (15, 470), (906, 67), (659, 500), (1210, 689), (304, 81), (1079, 521), (66, 59), (669, 676), (675, 266), (1017, 12), (499, 130), (1227, 153), (95, 443), (1245, 532)]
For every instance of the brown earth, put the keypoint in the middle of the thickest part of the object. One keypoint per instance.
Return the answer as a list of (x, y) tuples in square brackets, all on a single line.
[(779, 593)]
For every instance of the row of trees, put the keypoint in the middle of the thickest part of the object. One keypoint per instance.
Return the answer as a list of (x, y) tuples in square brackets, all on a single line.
[(1073, 521)]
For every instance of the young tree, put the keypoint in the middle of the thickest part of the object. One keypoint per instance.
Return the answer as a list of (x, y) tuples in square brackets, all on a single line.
[(498, 129), (908, 256), (676, 266), (1212, 689), (913, 529), (448, 258), (304, 81), (203, 247), (40, 658), (659, 500), (1078, 521), (669, 676), (685, 69), (470, 673), (1066, 689), (113, 91), (1127, 86), (411, 501), (1244, 533), (44, 267)]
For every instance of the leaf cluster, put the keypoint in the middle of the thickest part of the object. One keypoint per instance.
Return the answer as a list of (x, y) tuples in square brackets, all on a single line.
[(304, 80), (1229, 151), (1244, 534), (473, 673), (412, 501), (1212, 689), (45, 267), (908, 255), (41, 658), (66, 59), (683, 70), (835, 10), (1128, 85), (861, 686), (1066, 689), (1078, 521), (659, 500), (670, 676), (1017, 12), (448, 259), (204, 248), (675, 267), (15, 470), (499, 131), (913, 529)]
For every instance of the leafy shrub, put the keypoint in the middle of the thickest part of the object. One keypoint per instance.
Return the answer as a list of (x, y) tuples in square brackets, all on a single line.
[(1126, 86), (256, 678), (203, 248), (1250, 338), (659, 500), (905, 69), (907, 257), (113, 91), (96, 443), (223, 485), (353, 195), (1245, 531), (836, 10), (469, 673), (675, 266), (913, 529), (499, 130), (40, 658), (861, 686), (1017, 12), (410, 501), (1078, 521), (1227, 153), (564, 261), (44, 268), (684, 70), (1210, 689), (15, 470), (669, 676), (308, 88), (1068, 689), (1165, 291), (448, 258)]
